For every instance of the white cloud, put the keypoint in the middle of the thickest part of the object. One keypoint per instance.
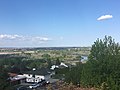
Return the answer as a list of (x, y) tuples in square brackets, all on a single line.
[(23, 38), (10, 37), (20, 40), (104, 17), (40, 38)]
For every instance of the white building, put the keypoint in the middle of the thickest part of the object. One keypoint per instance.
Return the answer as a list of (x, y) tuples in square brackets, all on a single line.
[(58, 66), (35, 78)]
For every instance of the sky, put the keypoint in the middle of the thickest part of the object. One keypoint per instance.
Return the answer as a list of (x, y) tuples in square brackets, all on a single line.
[(57, 23)]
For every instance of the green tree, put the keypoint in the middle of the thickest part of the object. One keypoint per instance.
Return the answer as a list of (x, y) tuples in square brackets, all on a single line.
[(103, 64), (47, 57), (4, 82), (74, 74), (57, 61)]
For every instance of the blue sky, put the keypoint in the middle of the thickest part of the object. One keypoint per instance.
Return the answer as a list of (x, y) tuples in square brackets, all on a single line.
[(54, 23)]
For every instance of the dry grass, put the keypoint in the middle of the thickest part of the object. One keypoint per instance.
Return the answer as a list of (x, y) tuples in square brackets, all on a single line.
[(65, 86)]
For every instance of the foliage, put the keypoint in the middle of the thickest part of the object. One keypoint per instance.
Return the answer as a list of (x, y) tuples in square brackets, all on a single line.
[(4, 82), (103, 65), (102, 70), (57, 61), (47, 57), (74, 74)]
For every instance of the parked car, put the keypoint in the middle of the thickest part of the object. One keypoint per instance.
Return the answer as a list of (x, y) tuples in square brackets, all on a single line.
[(33, 86), (44, 82)]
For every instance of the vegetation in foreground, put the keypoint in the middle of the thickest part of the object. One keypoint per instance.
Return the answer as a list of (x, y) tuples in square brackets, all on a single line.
[(101, 71), (66, 86)]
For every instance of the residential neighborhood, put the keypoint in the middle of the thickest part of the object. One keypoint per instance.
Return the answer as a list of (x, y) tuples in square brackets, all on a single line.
[(26, 74)]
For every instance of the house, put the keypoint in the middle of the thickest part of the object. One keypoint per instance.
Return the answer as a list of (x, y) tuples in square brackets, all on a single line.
[(16, 79), (62, 65), (37, 75), (31, 78), (53, 67)]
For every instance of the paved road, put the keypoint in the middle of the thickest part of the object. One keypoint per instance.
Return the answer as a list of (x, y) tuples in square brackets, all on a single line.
[(51, 80)]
